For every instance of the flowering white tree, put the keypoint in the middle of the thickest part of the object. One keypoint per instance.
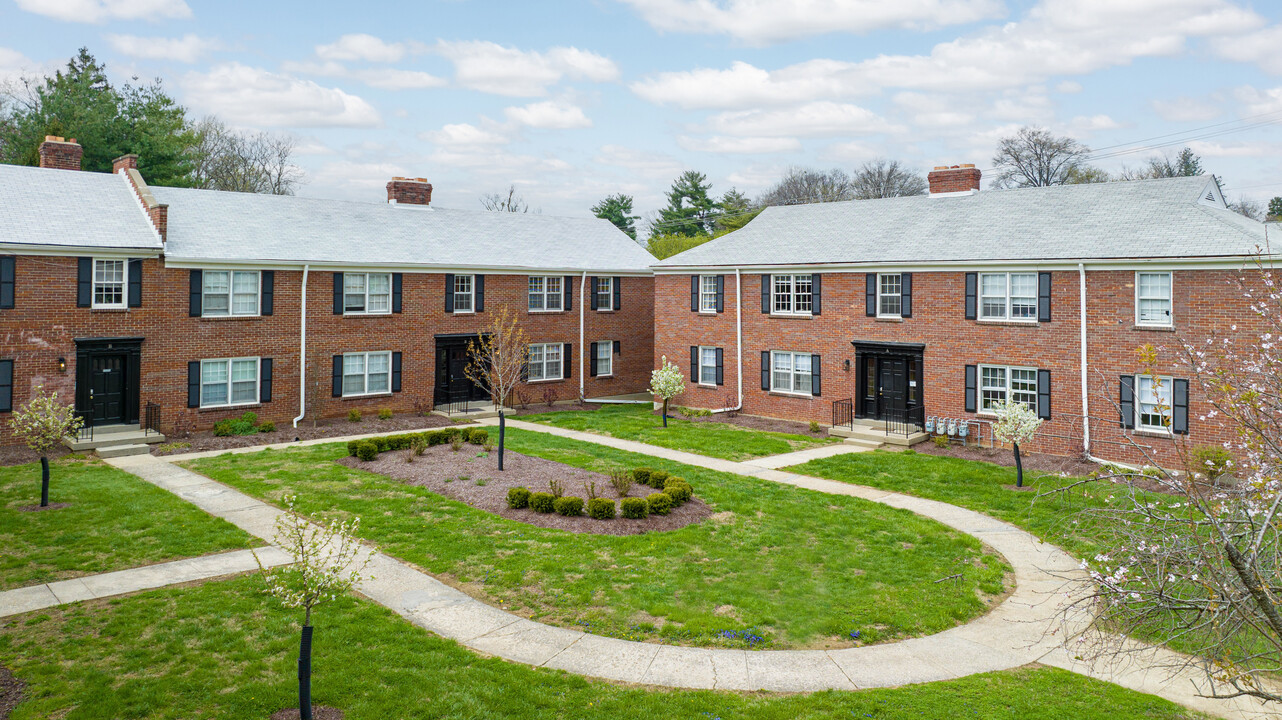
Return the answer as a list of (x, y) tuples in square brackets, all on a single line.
[(497, 362), (667, 382), (1016, 423), (328, 562), (43, 422)]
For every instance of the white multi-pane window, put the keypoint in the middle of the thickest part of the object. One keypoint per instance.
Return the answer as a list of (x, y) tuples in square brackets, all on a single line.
[(367, 373), (229, 292), (1153, 298), (790, 372), (605, 293), (232, 381), (707, 366), (545, 362), (890, 299), (604, 358), (367, 293), (545, 293), (708, 293), (109, 283), (464, 291), (1008, 296), (1153, 403), (997, 382), (792, 295)]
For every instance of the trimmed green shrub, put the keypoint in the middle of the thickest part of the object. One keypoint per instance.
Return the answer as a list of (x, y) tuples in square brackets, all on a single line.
[(478, 436), (568, 506), (384, 413), (541, 502), (366, 450), (246, 424), (634, 508), (1212, 461), (267, 427), (438, 437), (601, 508), (659, 503), (351, 447), (353, 415), (642, 475), (518, 497), (658, 478), (679, 490)]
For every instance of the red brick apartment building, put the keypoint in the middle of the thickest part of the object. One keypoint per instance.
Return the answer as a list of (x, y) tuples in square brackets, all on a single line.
[(207, 304), (890, 313)]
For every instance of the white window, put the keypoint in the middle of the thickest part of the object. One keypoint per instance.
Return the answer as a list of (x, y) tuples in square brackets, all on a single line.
[(708, 293), (792, 295), (604, 358), (997, 382), (109, 283), (1153, 403), (545, 293), (790, 372), (232, 381), (228, 292), (367, 373), (367, 293), (463, 292), (890, 297), (1153, 298), (605, 293), (545, 362), (1008, 296), (707, 366)]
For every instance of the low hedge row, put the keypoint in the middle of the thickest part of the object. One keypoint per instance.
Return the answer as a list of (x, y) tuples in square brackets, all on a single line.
[(671, 492), (369, 448)]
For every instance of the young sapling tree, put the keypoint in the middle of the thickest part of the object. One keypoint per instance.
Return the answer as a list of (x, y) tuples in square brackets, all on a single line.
[(667, 382), (497, 362), (1016, 423), (43, 422)]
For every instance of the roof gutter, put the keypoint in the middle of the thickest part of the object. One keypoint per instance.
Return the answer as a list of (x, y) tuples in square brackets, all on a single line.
[(302, 353), (583, 283)]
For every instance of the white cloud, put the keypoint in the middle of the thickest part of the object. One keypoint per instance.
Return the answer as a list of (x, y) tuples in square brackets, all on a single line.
[(1258, 102), (853, 152), (640, 162), (1186, 109), (187, 49), (1260, 48), (360, 177), (765, 21), (97, 11), (382, 78), (810, 120), (933, 110), (1244, 149), (549, 114), (744, 85), (256, 97), (1068, 87), (1084, 125), (462, 135), (359, 46), (739, 145), (14, 65), (493, 68)]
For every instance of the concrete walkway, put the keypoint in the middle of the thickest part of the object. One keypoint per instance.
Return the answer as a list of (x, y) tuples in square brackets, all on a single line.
[(774, 462), (1029, 626)]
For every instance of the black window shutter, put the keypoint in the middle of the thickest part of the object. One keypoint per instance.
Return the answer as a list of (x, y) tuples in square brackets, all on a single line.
[(816, 294), (592, 291), (721, 293), (195, 296), (694, 364), (618, 293), (265, 380), (268, 304), (449, 292), (972, 292), (906, 295), (135, 282), (694, 293), (721, 367), (338, 293), (814, 374), (193, 384), (337, 381), (1043, 297), (6, 282), (566, 353), (478, 288), (618, 348), (1044, 394), (592, 359), (765, 294), (971, 380), (870, 294), (765, 369), (6, 385), (1180, 406), (566, 284), (397, 279), (396, 372), (1126, 401), (84, 282)]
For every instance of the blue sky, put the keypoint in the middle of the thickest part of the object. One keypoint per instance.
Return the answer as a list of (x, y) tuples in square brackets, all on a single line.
[(575, 99)]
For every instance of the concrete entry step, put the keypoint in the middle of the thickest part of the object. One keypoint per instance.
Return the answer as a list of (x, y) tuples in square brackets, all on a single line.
[(113, 451), (862, 431), (111, 436)]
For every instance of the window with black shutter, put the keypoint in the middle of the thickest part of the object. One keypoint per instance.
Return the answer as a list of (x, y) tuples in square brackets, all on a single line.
[(135, 282), (816, 294), (972, 379), (1180, 406), (721, 367), (1044, 297), (870, 294), (193, 384), (1044, 394), (695, 281), (765, 370), (337, 379), (397, 281), (84, 282), (396, 372), (906, 294), (338, 294), (6, 385), (972, 296), (265, 380), (1126, 401), (7, 282), (814, 374), (765, 301), (268, 302), (195, 301)]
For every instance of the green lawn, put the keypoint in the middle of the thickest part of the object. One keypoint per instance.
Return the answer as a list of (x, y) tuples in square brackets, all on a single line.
[(796, 567), (115, 521), (714, 439), (223, 650)]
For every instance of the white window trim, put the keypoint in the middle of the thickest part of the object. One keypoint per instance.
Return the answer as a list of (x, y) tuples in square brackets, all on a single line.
[(258, 380), (793, 294), (471, 293), (366, 311), (891, 316), (560, 350), (231, 293), (1170, 299), (609, 345), (979, 300), (609, 296), (546, 293), (704, 293), (366, 355), (793, 373), (124, 285), (700, 381), (1167, 382), (979, 386)]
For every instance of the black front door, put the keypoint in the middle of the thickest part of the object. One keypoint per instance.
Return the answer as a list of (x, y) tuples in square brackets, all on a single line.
[(892, 377), (108, 379), (107, 388), (888, 384), (452, 383)]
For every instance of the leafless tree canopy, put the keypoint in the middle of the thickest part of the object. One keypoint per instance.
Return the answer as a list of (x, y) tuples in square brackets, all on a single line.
[(1033, 157), (1249, 208), (882, 178), (805, 185), (225, 159), (510, 202)]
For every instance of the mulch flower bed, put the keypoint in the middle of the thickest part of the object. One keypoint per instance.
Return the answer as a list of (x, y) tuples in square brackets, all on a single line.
[(334, 427), (754, 422), (37, 508), (1036, 462), (319, 712), (457, 474), (539, 408), (10, 692)]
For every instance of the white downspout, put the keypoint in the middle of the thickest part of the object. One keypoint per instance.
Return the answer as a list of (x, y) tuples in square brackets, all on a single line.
[(302, 353), (738, 340), (1086, 402), (583, 299)]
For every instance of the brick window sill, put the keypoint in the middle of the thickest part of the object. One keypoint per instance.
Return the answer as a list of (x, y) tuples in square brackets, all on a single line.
[(227, 408), (366, 316), (1010, 323), (225, 318), (109, 310), (349, 398), (705, 386), (796, 396), (1152, 434), (780, 316), (1154, 328), (549, 381), (889, 319)]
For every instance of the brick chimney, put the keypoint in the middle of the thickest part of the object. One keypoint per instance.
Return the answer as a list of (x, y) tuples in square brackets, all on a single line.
[(409, 191), (952, 179), (60, 154), (157, 212), (124, 162)]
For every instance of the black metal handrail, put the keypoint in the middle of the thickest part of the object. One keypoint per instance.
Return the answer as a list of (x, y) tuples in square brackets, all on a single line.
[(905, 421), (843, 413), (151, 418), (458, 400), (85, 434)]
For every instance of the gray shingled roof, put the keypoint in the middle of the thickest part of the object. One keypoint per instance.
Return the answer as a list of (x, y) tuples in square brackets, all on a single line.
[(71, 209), (1144, 219), (225, 226)]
